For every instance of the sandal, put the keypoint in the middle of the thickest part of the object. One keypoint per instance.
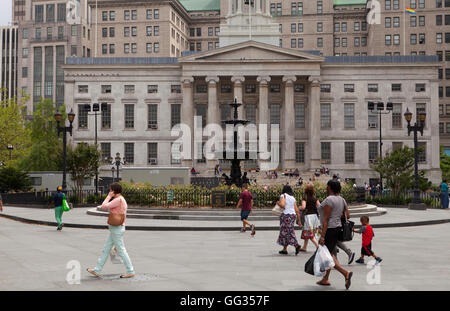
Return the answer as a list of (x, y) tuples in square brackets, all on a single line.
[(283, 252), (323, 284), (91, 271), (127, 276), (348, 280)]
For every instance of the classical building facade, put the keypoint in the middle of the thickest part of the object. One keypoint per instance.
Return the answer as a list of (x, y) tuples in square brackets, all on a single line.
[(319, 102)]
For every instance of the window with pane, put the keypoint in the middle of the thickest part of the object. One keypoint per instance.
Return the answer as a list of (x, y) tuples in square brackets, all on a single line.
[(299, 152), (175, 114), (325, 150), (349, 88), (39, 13), (250, 112), (349, 115), (299, 116), (319, 27), (325, 116), (129, 116), (152, 89), (300, 27), (61, 14), (325, 88), (106, 89), (344, 27), (105, 151), (275, 113), (387, 40), (396, 22), (106, 117), (149, 14), (439, 38), (175, 157), (420, 108), (300, 43), (413, 21), (420, 87), (226, 89), (397, 116), (152, 153), (387, 4), (387, 22), (82, 116), (349, 152), (373, 119), (373, 151), (202, 111), (422, 152), (319, 7), (225, 112), (421, 21), (356, 26), (152, 120), (275, 88), (129, 153)]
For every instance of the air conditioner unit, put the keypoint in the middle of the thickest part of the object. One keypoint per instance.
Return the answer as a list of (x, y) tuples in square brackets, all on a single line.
[(373, 125), (153, 161), (153, 126)]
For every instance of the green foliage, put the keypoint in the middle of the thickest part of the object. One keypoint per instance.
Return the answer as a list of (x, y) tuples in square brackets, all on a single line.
[(74, 199), (46, 150), (13, 179), (82, 163), (13, 130), (193, 196), (445, 164), (398, 169), (95, 199)]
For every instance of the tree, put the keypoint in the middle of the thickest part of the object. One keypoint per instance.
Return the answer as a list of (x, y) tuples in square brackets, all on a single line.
[(397, 168), (46, 151), (13, 179), (82, 163), (13, 130), (445, 164)]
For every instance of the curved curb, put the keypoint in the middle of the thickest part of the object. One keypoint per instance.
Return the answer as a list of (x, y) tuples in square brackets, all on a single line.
[(158, 228)]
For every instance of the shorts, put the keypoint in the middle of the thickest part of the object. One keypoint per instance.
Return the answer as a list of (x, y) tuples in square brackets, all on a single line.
[(331, 239), (367, 250), (244, 215)]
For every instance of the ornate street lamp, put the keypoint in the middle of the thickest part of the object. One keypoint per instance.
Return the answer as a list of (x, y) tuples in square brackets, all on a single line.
[(117, 161), (417, 127), (64, 129)]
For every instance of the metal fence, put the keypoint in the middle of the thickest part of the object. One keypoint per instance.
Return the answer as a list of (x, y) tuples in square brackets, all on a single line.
[(431, 199), (44, 197)]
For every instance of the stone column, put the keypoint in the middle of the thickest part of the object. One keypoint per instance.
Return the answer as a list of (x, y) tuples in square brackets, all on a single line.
[(289, 123), (267, 7), (230, 7), (238, 82), (239, 7), (258, 6), (187, 114), (314, 122), (213, 108), (263, 107)]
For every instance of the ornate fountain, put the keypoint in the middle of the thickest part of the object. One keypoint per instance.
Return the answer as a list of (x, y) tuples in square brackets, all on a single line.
[(237, 156)]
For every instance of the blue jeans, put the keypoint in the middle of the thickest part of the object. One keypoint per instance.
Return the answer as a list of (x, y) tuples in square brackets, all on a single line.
[(444, 199), (115, 238)]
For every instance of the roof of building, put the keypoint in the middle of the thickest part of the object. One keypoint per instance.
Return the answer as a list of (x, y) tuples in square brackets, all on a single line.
[(201, 5), (349, 2), (121, 60)]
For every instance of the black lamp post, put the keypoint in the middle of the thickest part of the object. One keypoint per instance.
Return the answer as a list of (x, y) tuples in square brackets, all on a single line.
[(117, 162), (10, 148), (417, 127), (113, 169), (378, 108), (64, 129)]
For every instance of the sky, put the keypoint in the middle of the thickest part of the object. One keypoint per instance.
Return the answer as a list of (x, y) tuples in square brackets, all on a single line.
[(5, 12)]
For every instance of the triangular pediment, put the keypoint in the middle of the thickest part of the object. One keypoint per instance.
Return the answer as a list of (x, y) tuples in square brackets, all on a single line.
[(251, 51)]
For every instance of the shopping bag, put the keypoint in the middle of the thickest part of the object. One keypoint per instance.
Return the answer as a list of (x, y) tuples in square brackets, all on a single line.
[(322, 261), (65, 205), (277, 210), (309, 265)]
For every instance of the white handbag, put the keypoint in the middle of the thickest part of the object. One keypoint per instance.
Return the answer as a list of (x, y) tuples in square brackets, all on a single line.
[(277, 210)]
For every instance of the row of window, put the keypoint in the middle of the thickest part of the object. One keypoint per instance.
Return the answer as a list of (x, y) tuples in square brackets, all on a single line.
[(111, 15), (372, 87), (52, 12), (130, 31), (349, 151), (357, 26), (129, 153), (130, 48), (395, 4), (251, 88), (276, 9), (212, 31), (129, 116), (444, 130), (357, 42), (49, 35)]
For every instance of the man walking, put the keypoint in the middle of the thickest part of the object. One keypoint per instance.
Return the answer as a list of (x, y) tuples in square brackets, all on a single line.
[(246, 201), (57, 203)]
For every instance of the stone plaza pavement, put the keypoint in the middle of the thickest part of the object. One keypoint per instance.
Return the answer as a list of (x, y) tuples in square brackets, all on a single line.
[(78, 216), (34, 257)]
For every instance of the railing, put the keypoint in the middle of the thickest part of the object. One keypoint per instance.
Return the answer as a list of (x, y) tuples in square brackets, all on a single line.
[(431, 199), (44, 197)]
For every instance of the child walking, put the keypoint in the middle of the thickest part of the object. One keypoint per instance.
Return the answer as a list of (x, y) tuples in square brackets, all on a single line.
[(246, 200), (367, 236)]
